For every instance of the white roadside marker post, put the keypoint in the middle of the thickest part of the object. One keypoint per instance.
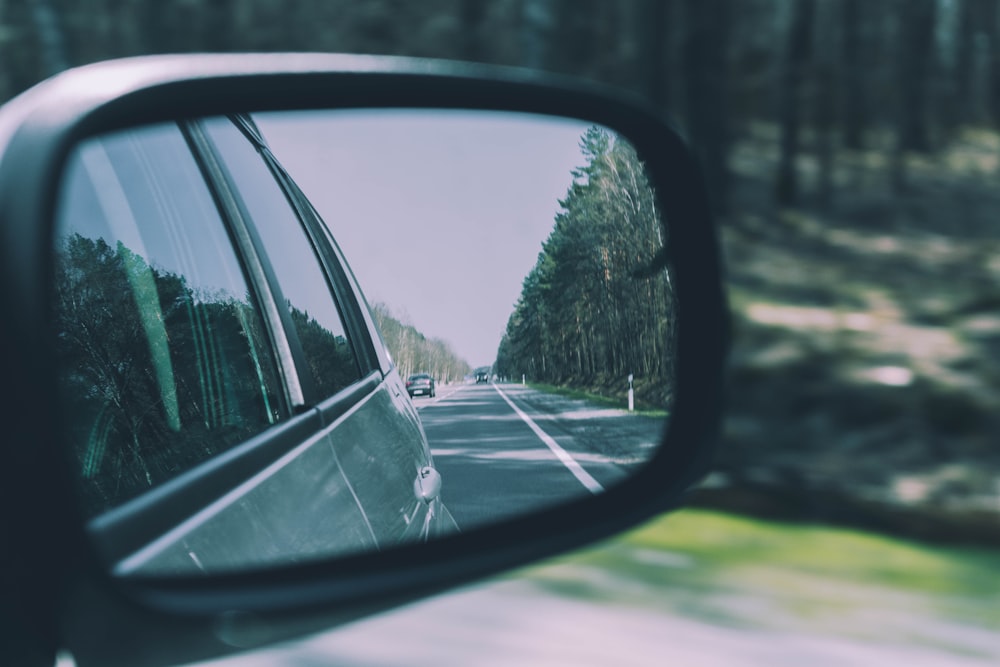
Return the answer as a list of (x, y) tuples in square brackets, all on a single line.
[(631, 394)]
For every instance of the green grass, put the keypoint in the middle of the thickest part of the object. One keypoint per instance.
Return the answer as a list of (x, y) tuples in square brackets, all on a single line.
[(751, 573), (597, 399), (725, 541)]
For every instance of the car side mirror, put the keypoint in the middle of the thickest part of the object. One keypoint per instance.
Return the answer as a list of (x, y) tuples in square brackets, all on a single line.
[(187, 351)]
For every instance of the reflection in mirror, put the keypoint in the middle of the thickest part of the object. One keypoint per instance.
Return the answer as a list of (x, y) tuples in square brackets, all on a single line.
[(232, 402)]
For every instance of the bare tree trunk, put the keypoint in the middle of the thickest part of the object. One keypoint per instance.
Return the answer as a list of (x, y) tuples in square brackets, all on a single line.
[(855, 100), (916, 49), (704, 63), (794, 63), (652, 35), (471, 14), (824, 99), (825, 103), (536, 32), (961, 106), (6, 90), (50, 37), (988, 22)]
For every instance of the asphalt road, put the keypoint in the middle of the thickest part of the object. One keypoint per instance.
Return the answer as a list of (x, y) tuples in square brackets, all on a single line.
[(493, 464), (500, 457)]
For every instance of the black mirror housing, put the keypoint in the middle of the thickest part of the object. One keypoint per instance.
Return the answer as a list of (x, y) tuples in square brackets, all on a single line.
[(104, 620)]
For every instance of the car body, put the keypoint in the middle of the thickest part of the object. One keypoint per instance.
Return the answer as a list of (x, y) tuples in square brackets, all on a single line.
[(420, 384), (232, 371), (482, 375)]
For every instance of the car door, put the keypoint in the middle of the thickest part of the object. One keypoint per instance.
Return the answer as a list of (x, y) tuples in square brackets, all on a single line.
[(379, 440), (213, 418)]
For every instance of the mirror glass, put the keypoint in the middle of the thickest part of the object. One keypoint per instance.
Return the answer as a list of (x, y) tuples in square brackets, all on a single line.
[(297, 335)]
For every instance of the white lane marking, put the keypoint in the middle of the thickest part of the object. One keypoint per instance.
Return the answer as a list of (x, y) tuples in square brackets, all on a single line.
[(589, 482)]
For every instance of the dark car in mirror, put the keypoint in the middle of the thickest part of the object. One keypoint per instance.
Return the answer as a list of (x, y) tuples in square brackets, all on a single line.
[(420, 384)]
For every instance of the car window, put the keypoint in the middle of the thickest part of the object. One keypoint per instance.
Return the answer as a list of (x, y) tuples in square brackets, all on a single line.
[(163, 358), (330, 356)]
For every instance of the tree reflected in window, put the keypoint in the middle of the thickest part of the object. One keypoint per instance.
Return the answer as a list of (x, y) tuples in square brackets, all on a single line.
[(156, 376)]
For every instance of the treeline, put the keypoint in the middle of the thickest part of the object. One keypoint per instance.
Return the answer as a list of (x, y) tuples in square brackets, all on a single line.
[(415, 353), (829, 77), (596, 307)]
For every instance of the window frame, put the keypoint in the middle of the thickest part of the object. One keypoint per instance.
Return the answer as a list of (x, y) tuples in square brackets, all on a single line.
[(122, 530), (331, 266), (331, 261)]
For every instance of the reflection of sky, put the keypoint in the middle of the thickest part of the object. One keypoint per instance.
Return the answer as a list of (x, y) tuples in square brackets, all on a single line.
[(441, 214), (117, 189)]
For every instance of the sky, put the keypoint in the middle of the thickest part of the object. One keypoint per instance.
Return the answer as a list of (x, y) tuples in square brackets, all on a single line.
[(440, 213)]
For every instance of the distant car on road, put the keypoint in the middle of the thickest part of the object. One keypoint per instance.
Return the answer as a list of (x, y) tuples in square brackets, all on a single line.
[(420, 384), (482, 375)]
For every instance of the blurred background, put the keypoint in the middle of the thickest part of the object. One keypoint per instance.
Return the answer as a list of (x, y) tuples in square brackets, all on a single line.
[(853, 156)]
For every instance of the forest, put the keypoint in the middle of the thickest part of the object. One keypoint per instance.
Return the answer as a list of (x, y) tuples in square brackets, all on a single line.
[(154, 391), (592, 311), (853, 158), (828, 76), (413, 352)]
